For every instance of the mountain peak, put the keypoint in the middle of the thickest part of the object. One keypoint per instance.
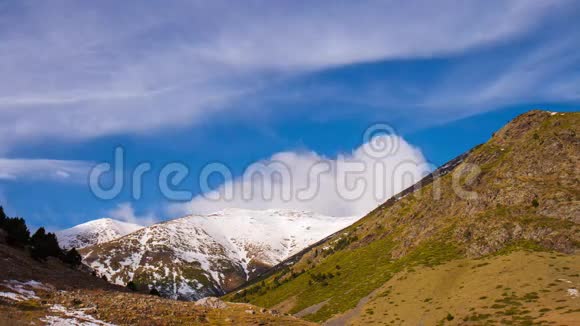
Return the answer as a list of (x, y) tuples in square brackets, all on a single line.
[(200, 255), (95, 232)]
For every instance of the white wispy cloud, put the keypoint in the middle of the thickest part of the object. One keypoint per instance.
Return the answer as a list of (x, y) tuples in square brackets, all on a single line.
[(126, 212), (542, 72), (176, 63), (309, 181), (43, 169)]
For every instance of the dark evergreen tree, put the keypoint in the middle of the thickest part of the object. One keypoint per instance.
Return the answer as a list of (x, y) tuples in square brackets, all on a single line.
[(2, 219), (17, 233), (73, 258), (154, 291), (131, 286), (44, 245)]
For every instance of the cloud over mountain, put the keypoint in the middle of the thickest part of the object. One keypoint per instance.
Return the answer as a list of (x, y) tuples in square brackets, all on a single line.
[(351, 184)]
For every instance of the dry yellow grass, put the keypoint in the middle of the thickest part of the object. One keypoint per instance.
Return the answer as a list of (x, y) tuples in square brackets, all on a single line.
[(520, 288)]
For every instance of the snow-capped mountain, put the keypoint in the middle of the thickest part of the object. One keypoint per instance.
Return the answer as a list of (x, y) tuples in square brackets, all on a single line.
[(202, 255), (94, 232)]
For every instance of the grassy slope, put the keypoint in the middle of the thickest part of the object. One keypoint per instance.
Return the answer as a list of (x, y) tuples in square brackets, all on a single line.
[(518, 288), (527, 195)]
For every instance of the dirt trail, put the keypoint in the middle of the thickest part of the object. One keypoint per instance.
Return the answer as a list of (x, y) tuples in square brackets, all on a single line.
[(342, 319), (311, 310)]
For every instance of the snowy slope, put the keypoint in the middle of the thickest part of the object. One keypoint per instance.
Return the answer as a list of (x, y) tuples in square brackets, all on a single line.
[(94, 232), (197, 256)]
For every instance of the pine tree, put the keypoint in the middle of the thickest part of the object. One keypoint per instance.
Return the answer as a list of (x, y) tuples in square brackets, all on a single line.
[(17, 233), (16, 230), (73, 258), (131, 286), (154, 291), (44, 245)]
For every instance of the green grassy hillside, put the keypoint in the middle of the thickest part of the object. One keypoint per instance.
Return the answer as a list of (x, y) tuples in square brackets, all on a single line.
[(519, 191)]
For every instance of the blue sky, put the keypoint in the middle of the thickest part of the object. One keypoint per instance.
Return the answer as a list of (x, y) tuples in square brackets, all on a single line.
[(199, 82)]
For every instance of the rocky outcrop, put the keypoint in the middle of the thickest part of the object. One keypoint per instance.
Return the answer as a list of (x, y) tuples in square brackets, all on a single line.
[(211, 302)]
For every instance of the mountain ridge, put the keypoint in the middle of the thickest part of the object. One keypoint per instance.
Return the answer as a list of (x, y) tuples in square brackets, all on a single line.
[(524, 183), (440, 171), (95, 232), (203, 255)]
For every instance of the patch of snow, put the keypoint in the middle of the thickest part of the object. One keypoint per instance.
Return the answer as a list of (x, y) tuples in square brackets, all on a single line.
[(12, 296), (573, 293), (564, 280), (22, 290), (72, 317)]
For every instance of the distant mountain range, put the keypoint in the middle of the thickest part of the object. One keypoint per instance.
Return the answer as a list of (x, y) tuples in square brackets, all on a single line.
[(200, 255), (94, 232)]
